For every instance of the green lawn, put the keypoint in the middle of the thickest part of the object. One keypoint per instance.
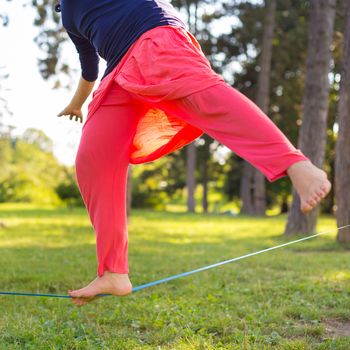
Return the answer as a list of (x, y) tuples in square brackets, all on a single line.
[(296, 297)]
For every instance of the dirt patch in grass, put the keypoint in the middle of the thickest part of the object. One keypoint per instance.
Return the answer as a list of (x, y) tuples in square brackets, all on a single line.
[(337, 327)]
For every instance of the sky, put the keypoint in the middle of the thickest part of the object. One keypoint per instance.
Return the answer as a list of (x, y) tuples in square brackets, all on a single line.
[(31, 99)]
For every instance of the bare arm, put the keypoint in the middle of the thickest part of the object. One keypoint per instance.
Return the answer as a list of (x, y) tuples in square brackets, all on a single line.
[(81, 94)]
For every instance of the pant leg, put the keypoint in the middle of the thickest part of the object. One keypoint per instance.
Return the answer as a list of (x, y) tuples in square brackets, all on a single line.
[(102, 162), (231, 118)]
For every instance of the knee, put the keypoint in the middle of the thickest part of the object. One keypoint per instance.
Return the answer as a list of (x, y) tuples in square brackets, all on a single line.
[(98, 164), (84, 161)]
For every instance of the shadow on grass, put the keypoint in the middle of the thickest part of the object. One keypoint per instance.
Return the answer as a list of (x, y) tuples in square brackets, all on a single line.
[(262, 293), (54, 270), (50, 269), (32, 211)]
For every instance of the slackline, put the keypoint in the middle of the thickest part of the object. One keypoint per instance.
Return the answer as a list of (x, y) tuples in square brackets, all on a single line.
[(170, 278)]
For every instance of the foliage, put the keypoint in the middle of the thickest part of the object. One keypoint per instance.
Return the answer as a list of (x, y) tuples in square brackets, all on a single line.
[(31, 173), (68, 189), (149, 185), (240, 45)]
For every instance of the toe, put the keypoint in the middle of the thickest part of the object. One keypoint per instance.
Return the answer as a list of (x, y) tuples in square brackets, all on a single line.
[(311, 203), (88, 293), (81, 293), (305, 206), (316, 199), (320, 194), (326, 187), (74, 293)]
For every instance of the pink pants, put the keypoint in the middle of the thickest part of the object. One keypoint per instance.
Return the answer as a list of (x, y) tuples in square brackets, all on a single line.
[(110, 135)]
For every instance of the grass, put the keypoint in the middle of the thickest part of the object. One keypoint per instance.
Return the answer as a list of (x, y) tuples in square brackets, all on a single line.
[(282, 299)]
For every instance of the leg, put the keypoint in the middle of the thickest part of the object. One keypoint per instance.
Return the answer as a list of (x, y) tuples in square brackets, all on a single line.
[(102, 162), (232, 119)]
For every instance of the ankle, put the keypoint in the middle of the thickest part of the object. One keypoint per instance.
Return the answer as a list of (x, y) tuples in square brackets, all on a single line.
[(295, 167), (115, 274)]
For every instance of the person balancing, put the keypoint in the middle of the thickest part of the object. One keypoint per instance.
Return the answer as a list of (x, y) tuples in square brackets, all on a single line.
[(158, 94)]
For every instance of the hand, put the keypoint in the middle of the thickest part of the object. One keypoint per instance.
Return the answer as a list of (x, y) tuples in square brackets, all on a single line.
[(72, 112)]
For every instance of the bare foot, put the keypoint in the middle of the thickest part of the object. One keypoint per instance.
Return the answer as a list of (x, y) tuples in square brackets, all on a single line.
[(310, 182), (110, 283)]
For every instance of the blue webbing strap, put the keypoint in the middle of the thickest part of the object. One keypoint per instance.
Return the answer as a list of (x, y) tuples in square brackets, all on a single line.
[(167, 279)]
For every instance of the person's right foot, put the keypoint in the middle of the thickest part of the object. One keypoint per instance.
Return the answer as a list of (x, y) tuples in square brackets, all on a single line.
[(310, 182), (110, 283)]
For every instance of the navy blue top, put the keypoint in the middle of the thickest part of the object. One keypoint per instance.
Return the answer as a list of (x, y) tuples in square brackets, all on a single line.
[(107, 28)]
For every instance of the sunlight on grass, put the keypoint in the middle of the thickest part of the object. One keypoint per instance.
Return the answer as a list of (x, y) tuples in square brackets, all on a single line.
[(278, 297), (336, 276)]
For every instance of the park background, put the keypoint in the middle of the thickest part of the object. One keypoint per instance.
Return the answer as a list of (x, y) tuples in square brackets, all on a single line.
[(196, 206)]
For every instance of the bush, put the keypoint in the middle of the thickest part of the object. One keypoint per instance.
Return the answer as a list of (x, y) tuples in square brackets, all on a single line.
[(24, 187), (69, 193), (152, 199)]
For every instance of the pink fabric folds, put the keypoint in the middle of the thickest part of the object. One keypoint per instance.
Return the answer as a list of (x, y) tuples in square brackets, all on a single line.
[(164, 63)]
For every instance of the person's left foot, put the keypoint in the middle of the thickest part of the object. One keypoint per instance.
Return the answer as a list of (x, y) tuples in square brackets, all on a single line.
[(310, 182), (110, 283)]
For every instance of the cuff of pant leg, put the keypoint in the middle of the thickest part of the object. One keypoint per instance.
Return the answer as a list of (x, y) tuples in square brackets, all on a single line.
[(101, 271), (298, 158)]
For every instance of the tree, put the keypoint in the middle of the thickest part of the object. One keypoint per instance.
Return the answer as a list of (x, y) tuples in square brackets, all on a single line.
[(129, 191), (190, 176), (253, 193), (199, 19), (191, 156), (287, 73), (30, 173), (4, 146), (193, 19), (342, 160), (39, 138), (204, 156), (312, 138), (50, 38)]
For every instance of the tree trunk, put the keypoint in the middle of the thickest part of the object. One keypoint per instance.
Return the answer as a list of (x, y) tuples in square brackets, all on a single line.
[(191, 148), (205, 184), (205, 188), (247, 189), (129, 191), (284, 205), (342, 158), (258, 192), (190, 178), (312, 137), (328, 205)]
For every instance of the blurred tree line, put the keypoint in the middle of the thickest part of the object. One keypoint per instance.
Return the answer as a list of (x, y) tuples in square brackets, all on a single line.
[(31, 173), (274, 52)]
